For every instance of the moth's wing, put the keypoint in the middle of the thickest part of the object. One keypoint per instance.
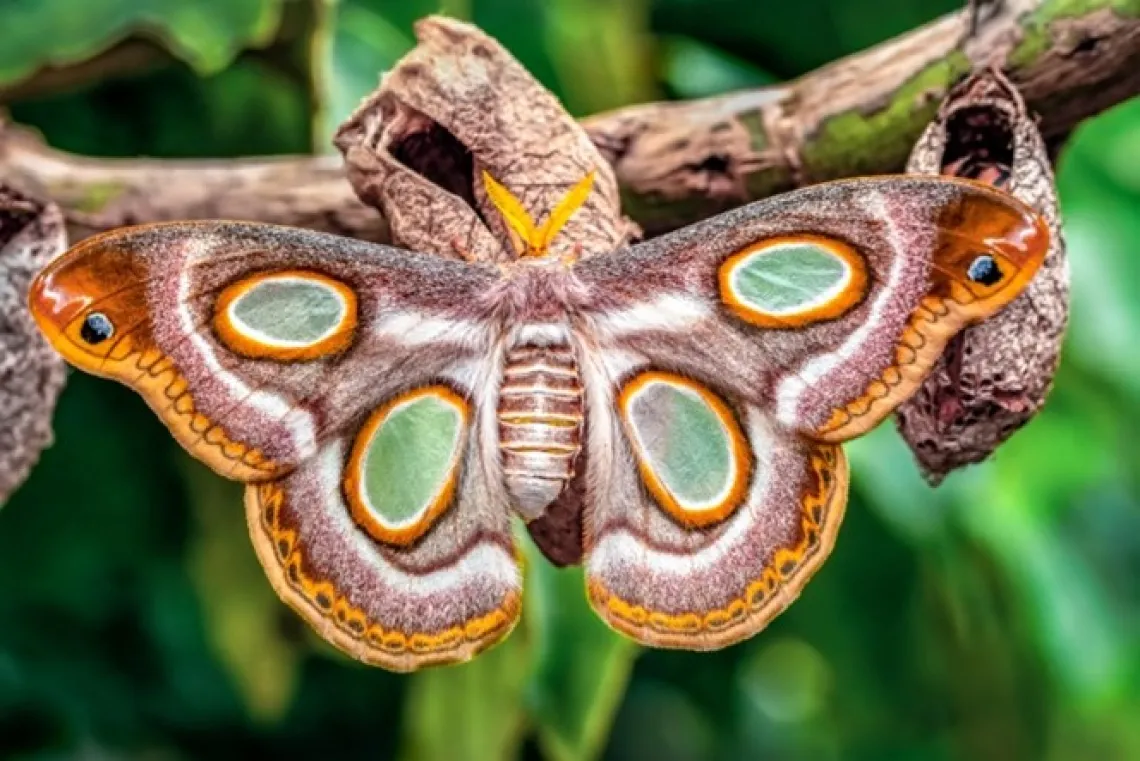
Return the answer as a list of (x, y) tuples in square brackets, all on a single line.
[(344, 381), (255, 343), (704, 517), (394, 541), (825, 307), (723, 364)]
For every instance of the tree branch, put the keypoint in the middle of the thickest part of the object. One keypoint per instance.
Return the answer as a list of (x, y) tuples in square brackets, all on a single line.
[(861, 115), (676, 162), (100, 194)]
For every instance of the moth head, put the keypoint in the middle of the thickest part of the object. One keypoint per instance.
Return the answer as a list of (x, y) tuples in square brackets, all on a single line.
[(89, 300)]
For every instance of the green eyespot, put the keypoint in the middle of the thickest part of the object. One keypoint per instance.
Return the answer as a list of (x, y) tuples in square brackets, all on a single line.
[(405, 462), (793, 281)]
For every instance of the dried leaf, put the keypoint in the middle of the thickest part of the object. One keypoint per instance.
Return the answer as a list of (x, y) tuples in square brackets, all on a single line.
[(993, 377), (32, 233), (458, 105)]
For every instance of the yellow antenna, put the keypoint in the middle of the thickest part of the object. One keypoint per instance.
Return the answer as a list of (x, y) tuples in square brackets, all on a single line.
[(527, 238), (516, 217), (565, 209)]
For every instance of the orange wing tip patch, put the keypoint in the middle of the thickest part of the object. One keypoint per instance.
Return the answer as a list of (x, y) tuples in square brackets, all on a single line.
[(430, 507), (736, 452), (287, 315), (528, 238), (91, 306), (133, 361), (348, 627), (780, 583), (792, 281), (971, 281), (986, 221)]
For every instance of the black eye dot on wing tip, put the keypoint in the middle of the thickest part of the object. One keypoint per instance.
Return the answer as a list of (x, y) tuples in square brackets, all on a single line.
[(96, 328), (985, 270)]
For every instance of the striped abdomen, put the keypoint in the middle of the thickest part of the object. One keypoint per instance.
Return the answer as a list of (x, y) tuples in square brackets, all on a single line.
[(540, 424)]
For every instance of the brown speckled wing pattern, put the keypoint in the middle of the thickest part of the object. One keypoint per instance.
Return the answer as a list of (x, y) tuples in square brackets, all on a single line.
[(146, 306)]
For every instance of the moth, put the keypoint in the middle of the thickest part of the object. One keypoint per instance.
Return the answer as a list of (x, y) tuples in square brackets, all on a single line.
[(391, 411)]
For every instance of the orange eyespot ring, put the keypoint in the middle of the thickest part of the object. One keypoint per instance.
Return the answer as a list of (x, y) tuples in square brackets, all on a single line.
[(354, 480), (257, 345), (845, 295), (739, 451)]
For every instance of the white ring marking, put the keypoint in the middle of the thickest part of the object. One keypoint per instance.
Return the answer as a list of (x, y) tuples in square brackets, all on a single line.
[(805, 306), (264, 338)]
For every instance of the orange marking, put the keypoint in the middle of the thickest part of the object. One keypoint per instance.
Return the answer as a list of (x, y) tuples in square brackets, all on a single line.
[(982, 220), (545, 447), (739, 447), (367, 518), (90, 278), (854, 290), (821, 512), (346, 626), (232, 335), (528, 238), (553, 419)]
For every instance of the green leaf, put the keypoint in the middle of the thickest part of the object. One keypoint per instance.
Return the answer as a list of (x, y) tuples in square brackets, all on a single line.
[(250, 108), (363, 45), (786, 679), (471, 711), (102, 640), (243, 616), (358, 41), (792, 38), (1073, 623), (884, 474), (600, 51), (207, 34), (581, 667), (1099, 196)]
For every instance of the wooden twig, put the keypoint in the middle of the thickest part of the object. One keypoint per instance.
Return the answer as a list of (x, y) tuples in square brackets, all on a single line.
[(99, 194), (675, 162)]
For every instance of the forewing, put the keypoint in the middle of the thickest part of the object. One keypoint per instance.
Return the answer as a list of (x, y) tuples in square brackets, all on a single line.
[(257, 344), (825, 307)]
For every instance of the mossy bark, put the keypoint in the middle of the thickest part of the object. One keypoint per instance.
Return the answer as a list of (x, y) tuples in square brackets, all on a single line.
[(675, 162)]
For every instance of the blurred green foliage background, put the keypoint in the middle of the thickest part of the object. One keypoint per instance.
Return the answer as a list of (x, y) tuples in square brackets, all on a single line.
[(995, 618)]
